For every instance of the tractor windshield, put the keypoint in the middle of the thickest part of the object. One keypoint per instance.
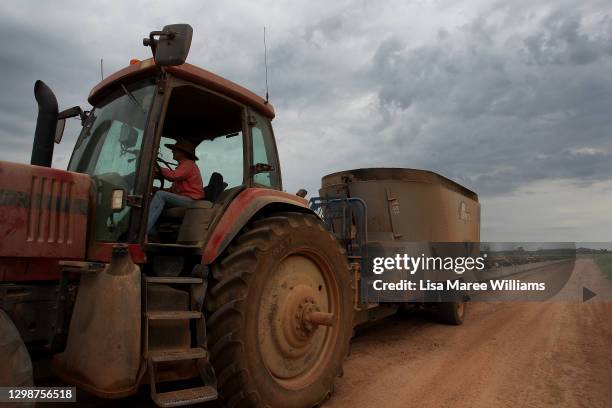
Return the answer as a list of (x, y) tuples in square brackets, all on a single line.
[(108, 149)]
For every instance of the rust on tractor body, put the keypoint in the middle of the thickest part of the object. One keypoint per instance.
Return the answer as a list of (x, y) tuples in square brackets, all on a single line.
[(44, 212)]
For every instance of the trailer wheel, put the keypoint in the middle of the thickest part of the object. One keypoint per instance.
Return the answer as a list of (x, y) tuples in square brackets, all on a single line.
[(281, 314), (16, 367), (451, 312)]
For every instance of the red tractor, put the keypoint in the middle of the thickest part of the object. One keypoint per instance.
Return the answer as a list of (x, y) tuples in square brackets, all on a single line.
[(250, 295), (247, 295)]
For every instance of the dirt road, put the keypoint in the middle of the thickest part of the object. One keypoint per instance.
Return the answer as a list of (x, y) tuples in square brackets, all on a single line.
[(506, 354)]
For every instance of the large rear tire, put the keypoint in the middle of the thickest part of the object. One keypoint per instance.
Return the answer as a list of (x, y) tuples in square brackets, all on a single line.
[(452, 313), (273, 295)]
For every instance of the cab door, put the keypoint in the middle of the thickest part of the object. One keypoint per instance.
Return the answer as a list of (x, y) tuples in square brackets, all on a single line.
[(264, 167)]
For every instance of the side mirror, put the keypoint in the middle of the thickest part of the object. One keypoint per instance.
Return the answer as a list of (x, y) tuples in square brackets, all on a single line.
[(128, 136), (173, 44), (59, 130), (61, 121)]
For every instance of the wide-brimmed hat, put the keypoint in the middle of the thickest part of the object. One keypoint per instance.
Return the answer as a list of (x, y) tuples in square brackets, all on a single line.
[(184, 146)]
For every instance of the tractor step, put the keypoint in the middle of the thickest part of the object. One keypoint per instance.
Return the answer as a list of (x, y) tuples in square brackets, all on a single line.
[(168, 280), (185, 397), (174, 315), (159, 356), (176, 355)]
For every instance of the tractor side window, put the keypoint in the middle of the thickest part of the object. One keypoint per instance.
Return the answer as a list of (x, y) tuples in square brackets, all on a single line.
[(264, 163), (214, 125), (223, 155)]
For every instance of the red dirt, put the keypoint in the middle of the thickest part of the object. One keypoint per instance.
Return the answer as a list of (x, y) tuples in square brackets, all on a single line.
[(505, 354)]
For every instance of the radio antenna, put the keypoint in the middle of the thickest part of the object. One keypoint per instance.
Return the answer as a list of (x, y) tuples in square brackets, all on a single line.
[(102, 68), (266, 64)]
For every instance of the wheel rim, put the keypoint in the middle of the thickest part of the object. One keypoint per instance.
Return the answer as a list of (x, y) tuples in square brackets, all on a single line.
[(298, 323)]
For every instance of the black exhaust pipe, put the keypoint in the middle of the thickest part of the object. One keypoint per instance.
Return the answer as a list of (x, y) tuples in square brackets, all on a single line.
[(42, 149)]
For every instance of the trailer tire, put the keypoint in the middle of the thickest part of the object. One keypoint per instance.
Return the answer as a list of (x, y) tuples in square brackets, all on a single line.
[(452, 313), (264, 346), (16, 367)]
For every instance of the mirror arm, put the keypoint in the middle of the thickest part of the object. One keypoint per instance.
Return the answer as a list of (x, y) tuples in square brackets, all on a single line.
[(152, 42), (72, 112)]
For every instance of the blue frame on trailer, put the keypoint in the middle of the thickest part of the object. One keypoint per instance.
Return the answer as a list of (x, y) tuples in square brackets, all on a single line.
[(346, 218)]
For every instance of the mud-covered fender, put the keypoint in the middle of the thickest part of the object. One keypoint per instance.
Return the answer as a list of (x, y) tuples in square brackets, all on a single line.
[(242, 209)]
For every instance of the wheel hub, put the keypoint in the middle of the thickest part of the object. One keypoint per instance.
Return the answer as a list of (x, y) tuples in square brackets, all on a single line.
[(297, 310), (306, 326)]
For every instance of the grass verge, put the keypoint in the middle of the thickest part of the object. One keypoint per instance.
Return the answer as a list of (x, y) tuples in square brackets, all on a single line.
[(604, 261)]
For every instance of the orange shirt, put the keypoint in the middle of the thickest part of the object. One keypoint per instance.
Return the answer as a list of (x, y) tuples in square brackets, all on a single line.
[(186, 180)]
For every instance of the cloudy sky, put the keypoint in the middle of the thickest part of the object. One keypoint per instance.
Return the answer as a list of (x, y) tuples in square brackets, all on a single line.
[(511, 98)]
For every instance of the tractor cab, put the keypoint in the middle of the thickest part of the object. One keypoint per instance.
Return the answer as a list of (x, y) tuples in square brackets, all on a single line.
[(218, 128), (140, 110)]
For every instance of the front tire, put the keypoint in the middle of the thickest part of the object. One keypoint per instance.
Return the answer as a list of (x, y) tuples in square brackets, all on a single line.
[(273, 295), (16, 367)]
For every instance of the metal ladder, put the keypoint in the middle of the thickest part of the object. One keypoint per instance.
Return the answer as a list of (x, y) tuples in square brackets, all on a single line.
[(199, 354)]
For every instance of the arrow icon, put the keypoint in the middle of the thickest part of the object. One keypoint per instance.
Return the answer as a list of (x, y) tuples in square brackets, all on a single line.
[(587, 294)]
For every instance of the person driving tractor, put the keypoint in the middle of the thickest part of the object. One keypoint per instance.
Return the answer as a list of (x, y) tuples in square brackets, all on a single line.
[(186, 183)]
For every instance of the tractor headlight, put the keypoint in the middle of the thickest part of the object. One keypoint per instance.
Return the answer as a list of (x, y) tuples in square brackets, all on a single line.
[(118, 200)]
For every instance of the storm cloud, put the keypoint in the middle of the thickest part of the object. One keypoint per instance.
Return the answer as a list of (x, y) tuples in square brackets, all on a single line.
[(511, 99)]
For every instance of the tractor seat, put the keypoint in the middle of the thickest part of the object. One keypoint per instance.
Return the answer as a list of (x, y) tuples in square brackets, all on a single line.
[(172, 218), (177, 213), (174, 212), (215, 187)]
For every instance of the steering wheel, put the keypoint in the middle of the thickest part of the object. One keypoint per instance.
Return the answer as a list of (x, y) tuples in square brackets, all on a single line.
[(159, 175)]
